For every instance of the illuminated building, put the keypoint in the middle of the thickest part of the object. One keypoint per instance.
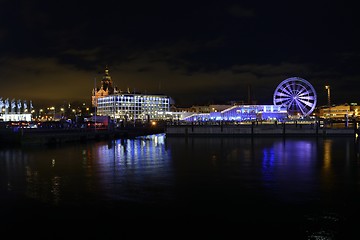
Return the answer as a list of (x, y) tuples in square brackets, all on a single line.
[(134, 106), (15, 110), (338, 112), (109, 101), (242, 113), (355, 109)]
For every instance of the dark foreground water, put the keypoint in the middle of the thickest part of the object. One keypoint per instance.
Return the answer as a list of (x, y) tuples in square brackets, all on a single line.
[(177, 188)]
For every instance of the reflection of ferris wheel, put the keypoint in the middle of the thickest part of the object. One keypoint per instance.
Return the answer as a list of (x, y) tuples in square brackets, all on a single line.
[(297, 94)]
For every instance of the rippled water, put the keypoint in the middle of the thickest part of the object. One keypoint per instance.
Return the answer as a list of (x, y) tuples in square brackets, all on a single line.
[(296, 188)]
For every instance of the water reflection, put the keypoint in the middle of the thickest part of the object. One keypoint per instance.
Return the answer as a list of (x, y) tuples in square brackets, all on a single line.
[(246, 179), (288, 166), (327, 154), (119, 169), (126, 167)]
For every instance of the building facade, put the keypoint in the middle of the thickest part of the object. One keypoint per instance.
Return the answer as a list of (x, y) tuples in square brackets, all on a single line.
[(15, 110), (134, 106), (242, 113), (118, 105), (340, 112)]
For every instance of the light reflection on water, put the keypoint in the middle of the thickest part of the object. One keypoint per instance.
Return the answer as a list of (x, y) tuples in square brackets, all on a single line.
[(130, 169), (287, 167), (262, 179)]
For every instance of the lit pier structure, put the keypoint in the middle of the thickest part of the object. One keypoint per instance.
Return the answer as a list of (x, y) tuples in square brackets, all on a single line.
[(15, 110)]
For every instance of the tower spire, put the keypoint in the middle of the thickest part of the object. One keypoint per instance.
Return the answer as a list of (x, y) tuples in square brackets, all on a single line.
[(106, 70), (106, 82)]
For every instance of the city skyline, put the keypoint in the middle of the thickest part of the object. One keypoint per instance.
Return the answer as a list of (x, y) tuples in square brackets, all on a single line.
[(196, 54)]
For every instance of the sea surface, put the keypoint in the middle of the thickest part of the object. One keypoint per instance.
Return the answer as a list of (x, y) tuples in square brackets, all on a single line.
[(183, 188)]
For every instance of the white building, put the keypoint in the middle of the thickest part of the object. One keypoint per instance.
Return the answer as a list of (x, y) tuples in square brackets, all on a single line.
[(134, 106), (15, 117), (15, 110), (120, 105)]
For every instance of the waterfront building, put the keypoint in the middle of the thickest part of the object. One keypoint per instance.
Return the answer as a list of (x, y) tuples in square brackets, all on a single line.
[(16, 117), (180, 113), (219, 108), (134, 106), (355, 108), (199, 109), (118, 105), (339, 112), (15, 110), (242, 113)]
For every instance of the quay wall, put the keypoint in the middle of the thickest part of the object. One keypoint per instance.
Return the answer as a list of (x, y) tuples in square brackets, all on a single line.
[(27, 136), (254, 130), (57, 136)]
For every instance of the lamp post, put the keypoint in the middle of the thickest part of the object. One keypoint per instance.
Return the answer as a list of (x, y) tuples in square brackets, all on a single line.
[(54, 112), (62, 112), (41, 113), (327, 87)]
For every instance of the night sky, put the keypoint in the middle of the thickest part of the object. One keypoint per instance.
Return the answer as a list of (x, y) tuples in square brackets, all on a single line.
[(197, 52)]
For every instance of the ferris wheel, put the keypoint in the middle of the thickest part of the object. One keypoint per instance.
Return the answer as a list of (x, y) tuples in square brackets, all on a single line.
[(297, 94)]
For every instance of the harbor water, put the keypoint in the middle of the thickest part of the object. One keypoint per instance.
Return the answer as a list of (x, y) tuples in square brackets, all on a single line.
[(197, 187)]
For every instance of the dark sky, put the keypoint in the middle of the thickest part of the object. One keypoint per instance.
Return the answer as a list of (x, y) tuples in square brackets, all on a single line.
[(197, 52)]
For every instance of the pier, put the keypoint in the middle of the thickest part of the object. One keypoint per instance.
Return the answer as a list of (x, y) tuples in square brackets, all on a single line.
[(44, 136), (258, 129), (48, 136)]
